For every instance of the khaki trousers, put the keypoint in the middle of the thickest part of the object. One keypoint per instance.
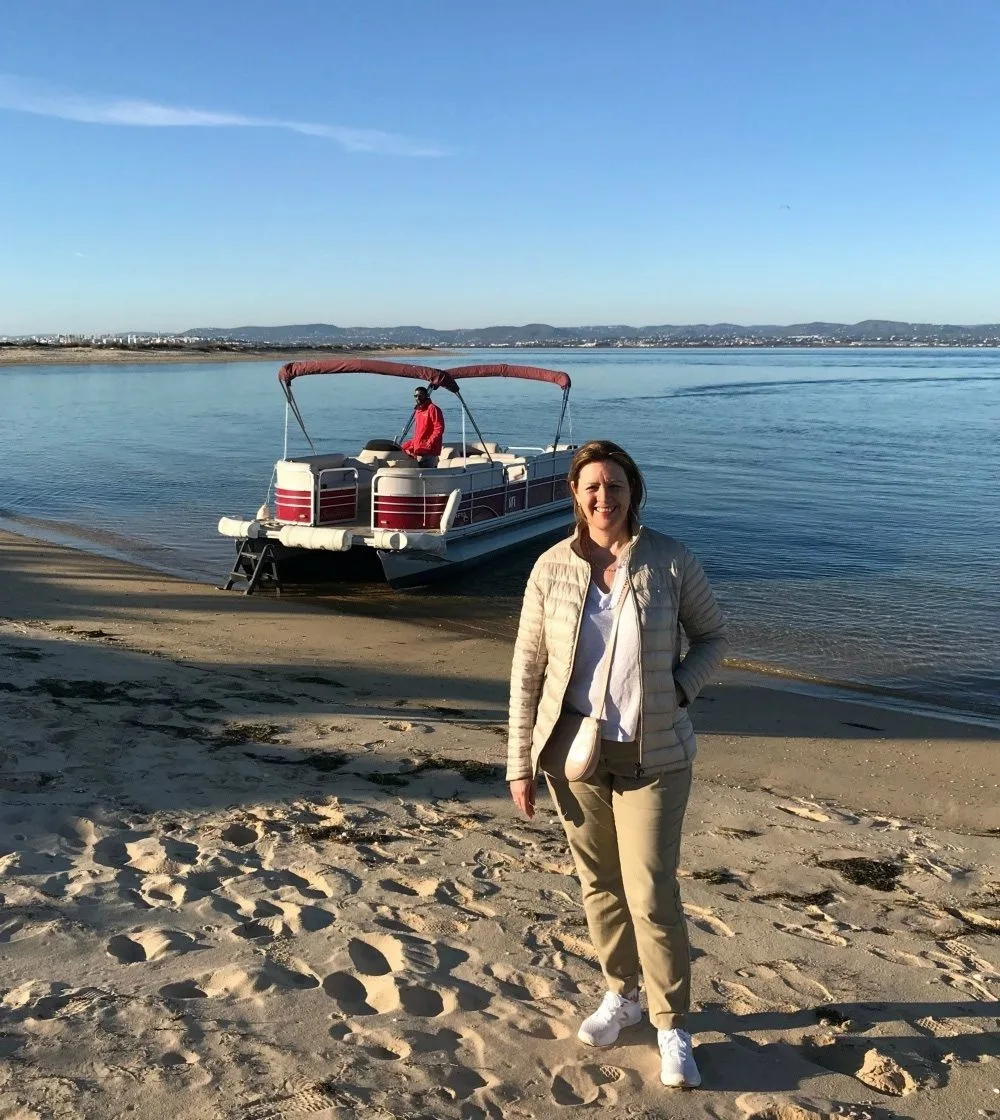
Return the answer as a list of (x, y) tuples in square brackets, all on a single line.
[(625, 836)]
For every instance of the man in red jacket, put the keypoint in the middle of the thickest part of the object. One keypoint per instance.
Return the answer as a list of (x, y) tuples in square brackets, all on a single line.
[(428, 427)]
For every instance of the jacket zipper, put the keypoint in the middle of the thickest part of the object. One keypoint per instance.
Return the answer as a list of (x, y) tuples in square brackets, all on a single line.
[(576, 639), (628, 576)]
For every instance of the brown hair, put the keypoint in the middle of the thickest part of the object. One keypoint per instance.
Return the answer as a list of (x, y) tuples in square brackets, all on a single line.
[(604, 451)]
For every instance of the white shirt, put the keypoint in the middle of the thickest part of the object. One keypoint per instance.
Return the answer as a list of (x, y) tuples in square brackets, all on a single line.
[(621, 711)]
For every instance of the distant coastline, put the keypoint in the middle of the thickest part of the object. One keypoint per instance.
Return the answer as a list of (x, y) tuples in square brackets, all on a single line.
[(267, 342), (75, 354)]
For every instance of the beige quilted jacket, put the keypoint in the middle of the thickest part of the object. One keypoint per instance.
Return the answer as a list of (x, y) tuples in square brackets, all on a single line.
[(671, 592)]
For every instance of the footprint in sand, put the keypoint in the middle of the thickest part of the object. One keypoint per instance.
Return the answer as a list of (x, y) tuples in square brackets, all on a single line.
[(400, 921), (367, 959), (239, 835), (814, 931), (377, 995), (354, 997), (562, 940), (271, 920), (805, 809), (139, 946), (778, 978), (41, 1000), (426, 1003), (234, 983), (520, 986), (460, 1082), (466, 898), (153, 856), (444, 1041), (419, 888), (942, 1028), (491, 864), (706, 919), (13, 930), (80, 832), (574, 1085), (321, 1098), (739, 999), (381, 1047), (540, 1026), (178, 1059), (960, 968), (160, 890)]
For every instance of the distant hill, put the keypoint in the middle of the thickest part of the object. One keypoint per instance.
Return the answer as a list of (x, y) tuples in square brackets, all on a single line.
[(536, 334)]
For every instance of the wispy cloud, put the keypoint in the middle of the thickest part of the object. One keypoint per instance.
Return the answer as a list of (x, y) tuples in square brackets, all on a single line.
[(23, 96)]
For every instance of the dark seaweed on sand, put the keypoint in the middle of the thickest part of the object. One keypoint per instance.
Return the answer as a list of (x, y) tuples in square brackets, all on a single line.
[(350, 834), (238, 733), (818, 898), (879, 874), (471, 770), (386, 779), (718, 877), (326, 762)]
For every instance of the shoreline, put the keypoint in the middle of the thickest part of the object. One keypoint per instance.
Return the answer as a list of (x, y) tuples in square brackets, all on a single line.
[(793, 721), (767, 674), (100, 355)]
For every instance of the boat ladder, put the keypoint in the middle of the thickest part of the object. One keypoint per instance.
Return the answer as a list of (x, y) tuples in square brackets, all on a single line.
[(256, 566)]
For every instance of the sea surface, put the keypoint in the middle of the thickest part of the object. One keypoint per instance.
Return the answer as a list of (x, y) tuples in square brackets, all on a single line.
[(845, 502)]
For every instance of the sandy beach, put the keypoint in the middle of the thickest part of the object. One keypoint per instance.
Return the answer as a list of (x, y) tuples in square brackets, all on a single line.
[(257, 861)]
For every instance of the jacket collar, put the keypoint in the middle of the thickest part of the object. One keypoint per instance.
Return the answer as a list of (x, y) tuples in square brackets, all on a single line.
[(576, 545)]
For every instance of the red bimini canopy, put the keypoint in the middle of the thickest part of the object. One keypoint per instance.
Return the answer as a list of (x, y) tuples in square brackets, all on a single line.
[(528, 373), (436, 378)]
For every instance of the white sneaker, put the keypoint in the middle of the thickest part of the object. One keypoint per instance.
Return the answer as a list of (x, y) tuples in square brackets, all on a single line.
[(677, 1065), (616, 1012)]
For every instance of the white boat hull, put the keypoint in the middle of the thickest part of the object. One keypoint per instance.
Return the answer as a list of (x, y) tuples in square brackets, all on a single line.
[(411, 568)]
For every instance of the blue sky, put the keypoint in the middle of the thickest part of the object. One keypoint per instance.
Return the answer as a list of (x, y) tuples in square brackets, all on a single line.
[(453, 163)]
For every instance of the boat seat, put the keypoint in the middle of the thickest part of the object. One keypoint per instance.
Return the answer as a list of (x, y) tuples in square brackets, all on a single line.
[(319, 462), (384, 459), (450, 450)]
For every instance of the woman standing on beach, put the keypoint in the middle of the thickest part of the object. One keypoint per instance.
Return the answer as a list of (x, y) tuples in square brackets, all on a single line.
[(603, 613)]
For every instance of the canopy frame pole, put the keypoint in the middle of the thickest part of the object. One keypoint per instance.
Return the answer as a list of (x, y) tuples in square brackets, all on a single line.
[(562, 414), (284, 453), (472, 420), (290, 399)]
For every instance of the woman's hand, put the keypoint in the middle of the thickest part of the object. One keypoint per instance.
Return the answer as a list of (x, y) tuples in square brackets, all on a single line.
[(523, 793)]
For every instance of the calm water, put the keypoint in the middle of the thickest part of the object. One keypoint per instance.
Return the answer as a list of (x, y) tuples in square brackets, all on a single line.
[(846, 503)]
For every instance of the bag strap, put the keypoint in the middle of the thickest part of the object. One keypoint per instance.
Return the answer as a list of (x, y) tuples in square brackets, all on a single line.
[(609, 656)]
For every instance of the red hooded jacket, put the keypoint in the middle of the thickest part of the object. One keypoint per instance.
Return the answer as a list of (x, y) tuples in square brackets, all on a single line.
[(428, 431)]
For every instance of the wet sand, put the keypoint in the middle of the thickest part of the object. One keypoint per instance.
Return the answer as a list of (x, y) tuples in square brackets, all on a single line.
[(257, 860)]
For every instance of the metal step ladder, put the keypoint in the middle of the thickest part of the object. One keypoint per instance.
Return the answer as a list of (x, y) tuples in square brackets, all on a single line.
[(256, 568)]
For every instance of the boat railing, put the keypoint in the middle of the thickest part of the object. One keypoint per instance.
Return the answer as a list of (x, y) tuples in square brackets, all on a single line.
[(504, 490), (514, 488), (539, 449), (315, 511), (379, 477)]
